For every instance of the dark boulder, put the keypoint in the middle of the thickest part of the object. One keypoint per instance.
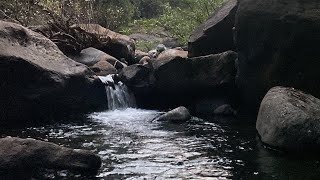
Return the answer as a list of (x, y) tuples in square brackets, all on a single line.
[(177, 115), (225, 110), (216, 34), (278, 44), (136, 76), (182, 80), (290, 120), (20, 157), (38, 82), (176, 74)]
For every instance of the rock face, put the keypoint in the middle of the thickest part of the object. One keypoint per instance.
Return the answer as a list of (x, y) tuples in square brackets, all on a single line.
[(117, 45), (19, 157), (38, 82), (277, 43), (290, 120), (177, 115), (216, 34)]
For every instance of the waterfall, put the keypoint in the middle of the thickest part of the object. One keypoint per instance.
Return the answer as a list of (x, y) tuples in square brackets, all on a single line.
[(118, 94)]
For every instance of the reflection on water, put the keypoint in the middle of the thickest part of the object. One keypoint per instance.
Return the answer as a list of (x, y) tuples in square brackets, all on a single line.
[(133, 147)]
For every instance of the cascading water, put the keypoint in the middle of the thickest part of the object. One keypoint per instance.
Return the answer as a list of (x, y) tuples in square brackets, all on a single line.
[(118, 94)]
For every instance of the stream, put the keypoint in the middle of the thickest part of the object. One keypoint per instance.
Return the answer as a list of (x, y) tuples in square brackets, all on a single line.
[(133, 146)]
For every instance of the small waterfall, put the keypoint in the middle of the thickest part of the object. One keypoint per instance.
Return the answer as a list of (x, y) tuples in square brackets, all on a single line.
[(118, 94)]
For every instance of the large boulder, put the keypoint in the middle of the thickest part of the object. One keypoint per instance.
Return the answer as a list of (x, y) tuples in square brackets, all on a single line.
[(176, 74), (38, 82), (177, 115), (100, 62), (182, 80), (289, 119), (20, 157), (117, 45), (278, 44), (216, 34), (136, 76)]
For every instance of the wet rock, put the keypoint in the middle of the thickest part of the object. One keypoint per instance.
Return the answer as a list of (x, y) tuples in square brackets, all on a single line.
[(20, 157), (38, 82), (225, 110), (289, 119), (277, 43), (216, 34), (177, 115)]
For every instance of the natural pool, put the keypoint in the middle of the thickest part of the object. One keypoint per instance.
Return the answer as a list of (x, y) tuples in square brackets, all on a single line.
[(133, 146)]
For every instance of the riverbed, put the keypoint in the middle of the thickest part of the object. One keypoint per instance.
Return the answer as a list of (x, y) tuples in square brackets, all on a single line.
[(132, 146)]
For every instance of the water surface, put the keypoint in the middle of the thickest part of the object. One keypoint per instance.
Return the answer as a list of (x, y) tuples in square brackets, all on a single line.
[(133, 146)]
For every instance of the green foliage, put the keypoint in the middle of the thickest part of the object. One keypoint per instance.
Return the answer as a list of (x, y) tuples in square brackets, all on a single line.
[(179, 22), (177, 18)]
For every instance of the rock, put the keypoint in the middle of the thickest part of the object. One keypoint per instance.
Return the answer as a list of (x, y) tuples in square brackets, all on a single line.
[(195, 74), (225, 110), (145, 60), (153, 53), (103, 68), (38, 82), (277, 43), (289, 119), (216, 34), (91, 56), (20, 157), (177, 115), (139, 55), (182, 80), (137, 76), (117, 45), (167, 56), (160, 48)]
